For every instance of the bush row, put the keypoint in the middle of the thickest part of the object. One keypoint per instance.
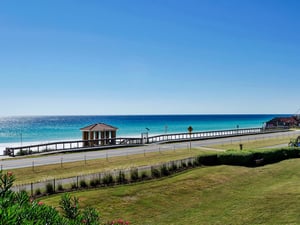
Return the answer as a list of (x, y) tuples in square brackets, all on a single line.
[(249, 158), (121, 178)]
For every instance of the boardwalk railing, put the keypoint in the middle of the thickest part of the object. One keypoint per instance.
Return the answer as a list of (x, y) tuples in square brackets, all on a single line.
[(204, 135), (71, 145), (115, 142)]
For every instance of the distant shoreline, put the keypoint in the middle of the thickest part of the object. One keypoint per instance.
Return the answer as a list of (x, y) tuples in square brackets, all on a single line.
[(44, 129)]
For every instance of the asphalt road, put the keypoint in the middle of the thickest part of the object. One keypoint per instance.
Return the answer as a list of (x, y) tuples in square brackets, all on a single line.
[(80, 156)]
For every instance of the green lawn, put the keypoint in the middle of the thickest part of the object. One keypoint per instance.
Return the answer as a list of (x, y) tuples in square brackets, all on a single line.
[(258, 143), (208, 195)]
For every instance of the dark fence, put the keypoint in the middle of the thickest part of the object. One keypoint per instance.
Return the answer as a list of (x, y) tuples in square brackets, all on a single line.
[(106, 178)]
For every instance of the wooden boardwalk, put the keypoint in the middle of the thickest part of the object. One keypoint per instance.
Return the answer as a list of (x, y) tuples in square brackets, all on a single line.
[(87, 145), (204, 135)]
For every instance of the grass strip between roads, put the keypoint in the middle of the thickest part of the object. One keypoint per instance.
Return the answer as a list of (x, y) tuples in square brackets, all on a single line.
[(257, 143)]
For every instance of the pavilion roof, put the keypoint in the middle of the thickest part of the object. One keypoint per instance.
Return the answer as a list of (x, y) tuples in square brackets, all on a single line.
[(99, 127), (284, 119)]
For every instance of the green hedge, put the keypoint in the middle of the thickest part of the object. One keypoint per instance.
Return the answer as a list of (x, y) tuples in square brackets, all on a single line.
[(248, 158), (276, 155), (236, 158), (208, 160)]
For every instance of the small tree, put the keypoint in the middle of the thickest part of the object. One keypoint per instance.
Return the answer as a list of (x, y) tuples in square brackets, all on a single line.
[(69, 205), (6, 182)]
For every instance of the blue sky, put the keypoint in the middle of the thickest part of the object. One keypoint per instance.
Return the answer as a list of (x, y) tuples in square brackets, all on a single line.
[(149, 57)]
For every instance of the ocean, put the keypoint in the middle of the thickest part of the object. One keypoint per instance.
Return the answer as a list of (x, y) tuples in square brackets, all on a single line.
[(23, 130)]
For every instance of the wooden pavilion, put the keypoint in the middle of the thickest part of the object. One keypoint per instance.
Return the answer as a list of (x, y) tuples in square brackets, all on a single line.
[(99, 134)]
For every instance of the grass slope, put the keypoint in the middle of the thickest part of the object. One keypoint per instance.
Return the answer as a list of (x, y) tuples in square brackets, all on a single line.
[(209, 195)]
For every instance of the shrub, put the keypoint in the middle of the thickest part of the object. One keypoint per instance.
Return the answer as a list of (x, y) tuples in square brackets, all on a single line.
[(38, 191), (276, 155), (108, 179), (21, 152), (164, 170), (208, 160), (24, 152), (60, 187), (256, 157), (93, 182), (183, 164), (98, 181), (196, 163), (6, 182), (237, 158), (49, 188), (155, 173), (69, 205), (173, 167), (121, 177), (134, 175), (83, 184), (18, 208), (90, 216), (73, 186), (144, 175)]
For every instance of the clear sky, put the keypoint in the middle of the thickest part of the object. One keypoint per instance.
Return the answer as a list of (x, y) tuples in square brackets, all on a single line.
[(96, 57)]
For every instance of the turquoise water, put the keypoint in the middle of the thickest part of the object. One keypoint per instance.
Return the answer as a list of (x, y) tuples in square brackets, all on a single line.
[(48, 128)]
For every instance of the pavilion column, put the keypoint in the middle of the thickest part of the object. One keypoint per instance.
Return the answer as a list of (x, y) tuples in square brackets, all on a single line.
[(91, 138), (107, 137), (97, 138), (102, 137), (113, 136), (85, 137)]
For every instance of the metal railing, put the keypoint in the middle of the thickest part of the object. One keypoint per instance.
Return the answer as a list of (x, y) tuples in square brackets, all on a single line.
[(71, 145), (203, 135)]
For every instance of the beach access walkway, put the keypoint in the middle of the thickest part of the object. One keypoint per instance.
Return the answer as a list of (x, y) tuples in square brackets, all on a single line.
[(105, 143), (13, 163)]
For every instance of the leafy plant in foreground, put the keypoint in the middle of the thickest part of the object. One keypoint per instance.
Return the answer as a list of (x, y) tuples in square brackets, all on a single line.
[(17, 208)]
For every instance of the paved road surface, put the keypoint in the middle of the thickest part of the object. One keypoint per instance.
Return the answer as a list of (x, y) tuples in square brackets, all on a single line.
[(53, 159)]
